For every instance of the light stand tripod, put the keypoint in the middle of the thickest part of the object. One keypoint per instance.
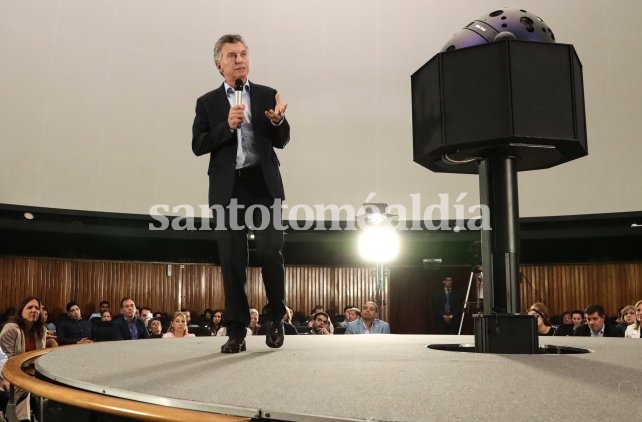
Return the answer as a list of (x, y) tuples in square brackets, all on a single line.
[(478, 279)]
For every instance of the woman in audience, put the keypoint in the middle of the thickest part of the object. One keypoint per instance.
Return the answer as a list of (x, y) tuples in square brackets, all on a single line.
[(578, 319), (541, 311), (26, 334), (178, 327), (627, 317), (633, 330), (217, 321), (155, 328), (566, 328)]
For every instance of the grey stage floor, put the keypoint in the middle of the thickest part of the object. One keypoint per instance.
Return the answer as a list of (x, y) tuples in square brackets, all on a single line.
[(383, 378)]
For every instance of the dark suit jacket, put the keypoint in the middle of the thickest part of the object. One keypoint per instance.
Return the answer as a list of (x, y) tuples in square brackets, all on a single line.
[(211, 134), (120, 329), (439, 302), (609, 331), (69, 331)]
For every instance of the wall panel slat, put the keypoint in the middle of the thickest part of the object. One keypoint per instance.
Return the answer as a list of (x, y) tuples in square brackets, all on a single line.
[(198, 286)]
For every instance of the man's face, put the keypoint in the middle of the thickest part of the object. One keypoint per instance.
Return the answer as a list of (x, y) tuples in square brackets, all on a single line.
[(595, 321), (106, 316), (369, 311), (352, 315), (74, 313), (104, 307), (320, 322), (146, 315), (235, 62), (567, 319), (448, 282), (128, 309)]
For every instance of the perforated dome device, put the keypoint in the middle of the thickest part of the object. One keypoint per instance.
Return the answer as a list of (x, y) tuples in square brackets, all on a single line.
[(500, 24)]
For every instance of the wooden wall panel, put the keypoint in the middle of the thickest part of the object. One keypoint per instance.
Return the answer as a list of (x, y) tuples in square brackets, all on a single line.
[(198, 286), (575, 286), (192, 286)]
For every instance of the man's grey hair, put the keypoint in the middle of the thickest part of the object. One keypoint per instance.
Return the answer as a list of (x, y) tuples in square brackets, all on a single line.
[(226, 39)]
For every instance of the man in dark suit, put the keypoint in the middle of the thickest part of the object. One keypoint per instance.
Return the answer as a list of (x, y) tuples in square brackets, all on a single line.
[(128, 326), (447, 307), (596, 324), (244, 175)]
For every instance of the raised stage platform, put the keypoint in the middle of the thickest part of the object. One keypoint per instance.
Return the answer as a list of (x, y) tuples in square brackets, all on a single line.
[(362, 377)]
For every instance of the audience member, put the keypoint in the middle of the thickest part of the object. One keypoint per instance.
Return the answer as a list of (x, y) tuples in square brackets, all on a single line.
[(320, 323), (145, 314), (627, 317), (633, 330), (368, 323), (254, 321), (102, 307), (566, 327), (52, 340), (155, 328), (72, 329), (127, 326), (26, 334), (596, 326), (178, 327), (577, 316), (540, 310), (447, 307), (311, 319), (101, 330), (5, 386), (216, 321)]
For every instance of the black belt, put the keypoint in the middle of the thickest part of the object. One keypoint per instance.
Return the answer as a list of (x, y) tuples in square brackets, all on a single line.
[(248, 172)]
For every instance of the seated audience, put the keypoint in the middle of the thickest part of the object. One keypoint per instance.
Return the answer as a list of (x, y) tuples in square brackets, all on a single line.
[(155, 328), (254, 321), (102, 307), (633, 330), (540, 310), (627, 317), (320, 323), (369, 322), (52, 340), (317, 309), (216, 321), (101, 329), (178, 327), (127, 326), (596, 324), (26, 334), (577, 316), (145, 314), (72, 329), (566, 327), (4, 384)]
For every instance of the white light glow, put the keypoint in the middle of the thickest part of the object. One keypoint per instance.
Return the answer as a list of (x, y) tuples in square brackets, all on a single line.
[(379, 244)]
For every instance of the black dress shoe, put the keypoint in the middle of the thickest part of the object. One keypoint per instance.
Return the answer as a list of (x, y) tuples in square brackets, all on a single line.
[(234, 345), (274, 337)]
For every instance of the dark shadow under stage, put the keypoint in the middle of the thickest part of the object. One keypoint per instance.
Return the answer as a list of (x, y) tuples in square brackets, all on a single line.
[(378, 377)]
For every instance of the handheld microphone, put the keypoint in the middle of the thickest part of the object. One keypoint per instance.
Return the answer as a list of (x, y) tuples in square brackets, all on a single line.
[(238, 90)]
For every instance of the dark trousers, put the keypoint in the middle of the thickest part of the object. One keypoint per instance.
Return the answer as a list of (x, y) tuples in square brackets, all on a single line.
[(447, 328), (250, 189)]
